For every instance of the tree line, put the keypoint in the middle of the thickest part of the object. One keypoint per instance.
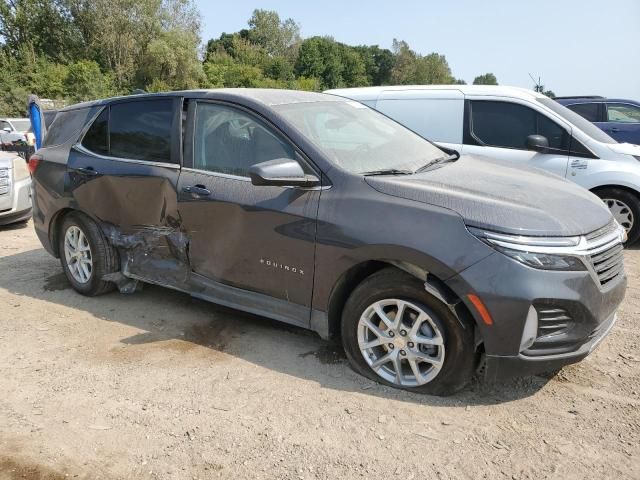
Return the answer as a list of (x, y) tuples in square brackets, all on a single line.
[(77, 50)]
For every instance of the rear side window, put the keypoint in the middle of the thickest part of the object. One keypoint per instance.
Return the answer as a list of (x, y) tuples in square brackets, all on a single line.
[(504, 124), (142, 130), (590, 111), (623, 113), (96, 138), (67, 125)]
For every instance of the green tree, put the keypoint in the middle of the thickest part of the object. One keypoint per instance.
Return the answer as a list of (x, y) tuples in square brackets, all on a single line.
[(45, 25), (277, 37), (486, 79), (85, 81)]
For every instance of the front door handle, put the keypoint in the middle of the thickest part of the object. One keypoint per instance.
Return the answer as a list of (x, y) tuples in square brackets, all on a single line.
[(87, 170), (197, 190), (615, 129)]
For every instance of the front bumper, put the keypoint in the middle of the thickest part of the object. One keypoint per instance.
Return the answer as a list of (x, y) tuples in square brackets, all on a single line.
[(16, 203), (509, 289), (498, 368)]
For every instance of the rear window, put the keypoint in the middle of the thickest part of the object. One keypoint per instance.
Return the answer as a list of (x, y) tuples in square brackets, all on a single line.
[(142, 130), (67, 125)]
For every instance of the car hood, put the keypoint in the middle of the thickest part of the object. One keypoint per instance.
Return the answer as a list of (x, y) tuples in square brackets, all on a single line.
[(501, 197), (625, 148)]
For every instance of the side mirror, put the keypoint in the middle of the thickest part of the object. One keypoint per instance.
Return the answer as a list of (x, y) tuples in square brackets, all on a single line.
[(6, 130), (281, 172), (538, 143)]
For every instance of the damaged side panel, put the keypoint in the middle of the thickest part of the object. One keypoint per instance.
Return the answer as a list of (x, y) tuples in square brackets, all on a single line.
[(136, 207)]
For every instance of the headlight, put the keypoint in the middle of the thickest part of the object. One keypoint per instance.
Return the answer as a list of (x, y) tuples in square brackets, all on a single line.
[(544, 261), (20, 170), (544, 253)]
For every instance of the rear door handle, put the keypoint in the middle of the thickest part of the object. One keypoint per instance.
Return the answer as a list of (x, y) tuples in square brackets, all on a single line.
[(615, 129), (87, 170), (197, 190)]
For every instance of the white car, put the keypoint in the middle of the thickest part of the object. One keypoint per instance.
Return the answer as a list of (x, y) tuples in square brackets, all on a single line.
[(522, 126), (14, 130), (15, 189)]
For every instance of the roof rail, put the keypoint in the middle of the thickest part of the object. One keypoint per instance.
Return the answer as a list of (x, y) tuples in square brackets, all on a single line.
[(578, 96)]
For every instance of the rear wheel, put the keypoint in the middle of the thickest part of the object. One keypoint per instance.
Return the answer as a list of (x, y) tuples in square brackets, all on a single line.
[(396, 333), (85, 255), (625, 208)]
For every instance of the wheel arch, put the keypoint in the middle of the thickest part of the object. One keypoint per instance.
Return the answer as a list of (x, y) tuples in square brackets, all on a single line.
[(433, 284), (616, 186)]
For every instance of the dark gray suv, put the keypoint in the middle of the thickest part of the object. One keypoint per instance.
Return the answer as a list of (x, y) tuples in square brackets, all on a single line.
[(320, 212)]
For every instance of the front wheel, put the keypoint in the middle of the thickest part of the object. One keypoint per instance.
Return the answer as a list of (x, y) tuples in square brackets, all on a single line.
[(625, 208), (396, 333)]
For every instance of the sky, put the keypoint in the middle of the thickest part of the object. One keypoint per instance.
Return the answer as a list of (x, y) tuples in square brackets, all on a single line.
[(577, 47)]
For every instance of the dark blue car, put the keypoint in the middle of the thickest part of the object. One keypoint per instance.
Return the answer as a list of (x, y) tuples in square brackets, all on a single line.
[(619, 118)]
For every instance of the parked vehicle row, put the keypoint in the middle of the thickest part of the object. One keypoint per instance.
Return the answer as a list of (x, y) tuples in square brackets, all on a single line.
[(522, 127), (321, 212), (619, 118)]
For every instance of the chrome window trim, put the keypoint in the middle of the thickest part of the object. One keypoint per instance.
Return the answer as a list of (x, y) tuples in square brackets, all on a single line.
[(80, 148), (216, 174)]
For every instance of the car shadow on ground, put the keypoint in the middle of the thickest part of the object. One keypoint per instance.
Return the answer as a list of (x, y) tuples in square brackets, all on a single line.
[(163, 314)]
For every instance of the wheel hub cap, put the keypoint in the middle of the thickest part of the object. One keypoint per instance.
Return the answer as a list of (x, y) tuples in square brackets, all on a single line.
[(621, 212), (401, 342), (77, 252)]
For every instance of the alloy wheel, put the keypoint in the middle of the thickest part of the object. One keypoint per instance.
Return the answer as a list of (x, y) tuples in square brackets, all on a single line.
[(401, 342), (77, 252)]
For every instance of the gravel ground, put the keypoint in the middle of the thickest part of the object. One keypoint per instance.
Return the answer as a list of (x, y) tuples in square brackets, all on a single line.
[(157, 385)]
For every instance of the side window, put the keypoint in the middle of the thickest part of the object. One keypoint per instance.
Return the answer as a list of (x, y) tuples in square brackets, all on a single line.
[(230, 141), (4, 124), (96, 137), (502, 124), (558, 137), (623, 113), (141, 130), (587, 110), (505, 124)]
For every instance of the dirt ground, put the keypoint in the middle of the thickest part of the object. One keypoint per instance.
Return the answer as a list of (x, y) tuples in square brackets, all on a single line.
[(157, 385)]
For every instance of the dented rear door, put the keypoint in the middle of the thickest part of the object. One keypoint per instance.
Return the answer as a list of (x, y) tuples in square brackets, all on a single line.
[(124, 174)]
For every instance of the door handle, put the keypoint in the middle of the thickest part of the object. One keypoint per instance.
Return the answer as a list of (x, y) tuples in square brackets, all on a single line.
[(87, 170), (197, 190), (615, 129)]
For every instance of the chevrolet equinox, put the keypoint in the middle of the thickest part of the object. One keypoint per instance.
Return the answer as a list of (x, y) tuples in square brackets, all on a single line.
[(320, 212)]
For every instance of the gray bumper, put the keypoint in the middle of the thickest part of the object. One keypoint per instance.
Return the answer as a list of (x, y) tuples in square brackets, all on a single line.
[(498, 368)]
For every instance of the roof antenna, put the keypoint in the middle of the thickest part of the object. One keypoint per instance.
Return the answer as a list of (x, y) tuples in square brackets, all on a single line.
[(138, 91)]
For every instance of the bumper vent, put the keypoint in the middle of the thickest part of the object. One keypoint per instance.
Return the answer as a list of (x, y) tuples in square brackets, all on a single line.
[(553, 321)]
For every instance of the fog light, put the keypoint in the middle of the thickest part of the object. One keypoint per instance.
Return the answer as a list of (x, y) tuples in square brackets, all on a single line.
[(530, 329)]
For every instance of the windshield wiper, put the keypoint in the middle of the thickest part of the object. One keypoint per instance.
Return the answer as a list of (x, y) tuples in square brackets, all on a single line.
[(387, 171), (435, 161)]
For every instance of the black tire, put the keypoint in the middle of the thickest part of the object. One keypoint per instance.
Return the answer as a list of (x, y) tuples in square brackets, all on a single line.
[(460, 358), (633, 202), (104, 256)]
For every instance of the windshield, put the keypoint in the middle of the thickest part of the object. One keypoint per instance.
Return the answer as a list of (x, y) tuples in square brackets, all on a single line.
[(585, 125), (358, 138), (21, 125)]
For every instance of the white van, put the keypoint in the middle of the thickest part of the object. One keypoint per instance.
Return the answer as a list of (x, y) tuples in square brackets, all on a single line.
[(518, 125)]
